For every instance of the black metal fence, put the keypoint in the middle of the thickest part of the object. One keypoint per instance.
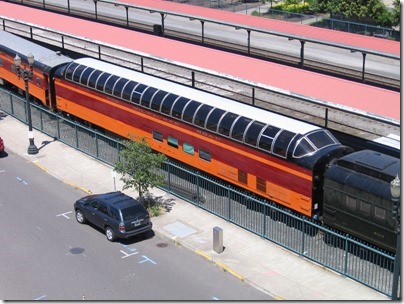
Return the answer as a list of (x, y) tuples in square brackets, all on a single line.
[(341, 253), (257, 8)]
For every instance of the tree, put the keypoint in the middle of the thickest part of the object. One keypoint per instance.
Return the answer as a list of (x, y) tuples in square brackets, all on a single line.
[(396, 20), (360, 10), (139, 166)]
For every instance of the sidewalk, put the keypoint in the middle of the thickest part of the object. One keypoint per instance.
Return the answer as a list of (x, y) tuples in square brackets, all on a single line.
[(257, 262)]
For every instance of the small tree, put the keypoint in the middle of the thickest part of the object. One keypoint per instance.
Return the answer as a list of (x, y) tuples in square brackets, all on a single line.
[(139, 166)]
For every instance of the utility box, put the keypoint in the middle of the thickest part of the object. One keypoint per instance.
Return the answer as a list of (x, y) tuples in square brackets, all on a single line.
[(218, 239)]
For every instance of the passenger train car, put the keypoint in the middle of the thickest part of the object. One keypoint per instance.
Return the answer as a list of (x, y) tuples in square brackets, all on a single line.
[(295, 164)]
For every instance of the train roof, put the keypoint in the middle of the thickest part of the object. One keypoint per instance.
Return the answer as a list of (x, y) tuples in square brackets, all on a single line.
[(372, 163), (216, 101), (44, 57), (273, 133)]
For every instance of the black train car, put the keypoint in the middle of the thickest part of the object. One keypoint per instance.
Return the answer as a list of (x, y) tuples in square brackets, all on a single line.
[(357, 197)]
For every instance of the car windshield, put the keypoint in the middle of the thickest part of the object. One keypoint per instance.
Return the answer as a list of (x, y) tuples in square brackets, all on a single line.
[(132, 212)]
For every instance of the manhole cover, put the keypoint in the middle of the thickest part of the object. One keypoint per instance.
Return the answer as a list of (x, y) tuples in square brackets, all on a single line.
[(162, 245), (76, 250)]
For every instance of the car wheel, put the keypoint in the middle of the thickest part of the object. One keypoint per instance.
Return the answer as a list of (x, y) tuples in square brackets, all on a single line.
[(110, 234), (80, 217)]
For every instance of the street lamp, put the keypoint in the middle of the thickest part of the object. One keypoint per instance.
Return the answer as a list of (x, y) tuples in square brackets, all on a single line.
[(27, 74), (395, 197)]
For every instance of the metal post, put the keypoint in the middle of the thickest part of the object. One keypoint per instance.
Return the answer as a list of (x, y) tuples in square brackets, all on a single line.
[(397, 265), (395, 197), (249, 40), (302, 53), (363, 67), (27, 75), (218, 239)]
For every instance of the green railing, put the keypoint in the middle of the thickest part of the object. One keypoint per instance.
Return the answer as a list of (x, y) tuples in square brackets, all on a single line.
[(341, 253)]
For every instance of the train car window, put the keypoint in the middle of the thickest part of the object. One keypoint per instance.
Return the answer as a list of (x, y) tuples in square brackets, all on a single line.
[(226, 122), (118, 88), (239, 127), (158, 136), (205, 155), (179, 106), (77, 72), (322, 139), (173, 142), (38, 81), (282, 143), (380, 213), (128, 89), (303, 148), (213, 119), (110, 83), (93, 78), (365, 207), (101, 81), (267, 137), (242, 176), (201, 114), (188, 148), (158, 99), (189, 111), (69, 71), (261, 184), (137, 93), (1, 62), (85, 75), (147, 96), (351, 203), (252, 133), (168, 103)]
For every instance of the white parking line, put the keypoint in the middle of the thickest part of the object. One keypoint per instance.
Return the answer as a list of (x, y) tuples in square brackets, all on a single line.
[(127, 255), (22, 181), (64, 214)]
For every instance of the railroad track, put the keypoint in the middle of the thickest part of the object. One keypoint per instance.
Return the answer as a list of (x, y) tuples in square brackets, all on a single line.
[(327, 68)]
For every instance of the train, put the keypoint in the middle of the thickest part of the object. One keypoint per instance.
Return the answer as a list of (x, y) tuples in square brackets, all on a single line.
[(292, 163)]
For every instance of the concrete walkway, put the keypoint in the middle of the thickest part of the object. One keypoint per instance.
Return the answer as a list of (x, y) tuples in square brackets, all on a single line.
[(253, 260)]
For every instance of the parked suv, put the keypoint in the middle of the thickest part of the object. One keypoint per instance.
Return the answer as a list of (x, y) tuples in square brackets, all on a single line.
[(118, 214)]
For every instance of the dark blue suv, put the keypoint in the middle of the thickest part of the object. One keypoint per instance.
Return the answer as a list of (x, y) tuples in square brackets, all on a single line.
[(118, 214)]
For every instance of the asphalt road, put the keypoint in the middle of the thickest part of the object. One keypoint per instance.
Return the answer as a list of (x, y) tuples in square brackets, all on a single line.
[(47, 255)]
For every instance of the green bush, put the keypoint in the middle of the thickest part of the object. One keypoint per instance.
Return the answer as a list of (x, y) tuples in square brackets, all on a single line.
[(292, 6)]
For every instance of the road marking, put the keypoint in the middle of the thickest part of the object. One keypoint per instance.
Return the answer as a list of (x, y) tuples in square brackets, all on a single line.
[(127, 254), (40, 298), (131, 249), (22, 181), (1, 171), (146, 259), (64, 214)]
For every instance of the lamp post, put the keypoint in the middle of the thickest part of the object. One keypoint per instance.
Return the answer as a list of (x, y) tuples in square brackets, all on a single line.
[(395, 197), (27, 74)]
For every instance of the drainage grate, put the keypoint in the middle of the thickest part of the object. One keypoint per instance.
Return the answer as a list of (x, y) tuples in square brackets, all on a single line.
[(76, 250), (162, 245)]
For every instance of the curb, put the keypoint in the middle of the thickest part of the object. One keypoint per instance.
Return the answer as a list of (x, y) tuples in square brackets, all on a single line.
[(78, 187), (43, 168)]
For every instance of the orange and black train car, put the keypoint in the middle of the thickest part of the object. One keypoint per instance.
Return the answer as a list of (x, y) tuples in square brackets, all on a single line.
[(295, 164)]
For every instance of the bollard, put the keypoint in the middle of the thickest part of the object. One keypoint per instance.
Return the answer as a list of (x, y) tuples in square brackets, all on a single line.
[(218, 239)]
